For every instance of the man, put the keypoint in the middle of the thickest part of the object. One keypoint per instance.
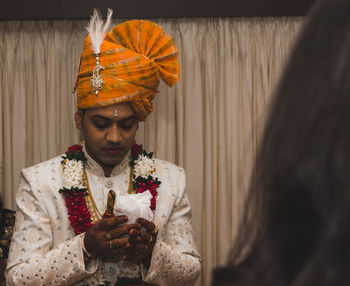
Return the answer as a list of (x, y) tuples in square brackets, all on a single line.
[(69, 228)]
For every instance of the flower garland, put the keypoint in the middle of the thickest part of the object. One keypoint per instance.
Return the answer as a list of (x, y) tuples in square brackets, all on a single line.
[(143, 169), (75, 189), (75, 184)]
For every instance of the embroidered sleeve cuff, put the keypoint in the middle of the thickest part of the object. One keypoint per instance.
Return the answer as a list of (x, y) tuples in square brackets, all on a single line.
[(169, 263), (92, 265), (63, 265)]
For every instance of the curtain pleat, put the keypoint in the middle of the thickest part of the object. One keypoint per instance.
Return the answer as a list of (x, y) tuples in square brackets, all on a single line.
[(209, 123)]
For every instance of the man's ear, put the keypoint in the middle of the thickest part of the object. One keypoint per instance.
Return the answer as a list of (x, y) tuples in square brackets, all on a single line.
[(79, 117)]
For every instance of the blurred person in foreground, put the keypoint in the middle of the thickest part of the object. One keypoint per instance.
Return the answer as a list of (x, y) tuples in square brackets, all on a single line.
[(107, 212), (295, 230)]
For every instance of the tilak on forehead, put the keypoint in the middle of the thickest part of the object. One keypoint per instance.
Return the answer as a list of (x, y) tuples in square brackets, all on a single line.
[(124, 64)]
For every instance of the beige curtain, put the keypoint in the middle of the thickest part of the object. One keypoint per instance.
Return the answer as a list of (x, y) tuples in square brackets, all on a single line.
[(209, 123)]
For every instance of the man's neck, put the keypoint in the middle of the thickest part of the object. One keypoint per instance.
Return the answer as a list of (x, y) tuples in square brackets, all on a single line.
[(107, 170)]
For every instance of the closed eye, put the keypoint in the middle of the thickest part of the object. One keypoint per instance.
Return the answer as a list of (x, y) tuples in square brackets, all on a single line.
[(128, 124), (101, 123)]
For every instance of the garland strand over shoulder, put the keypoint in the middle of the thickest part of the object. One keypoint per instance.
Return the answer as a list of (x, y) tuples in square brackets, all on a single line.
[(75, 189), (143, 169)]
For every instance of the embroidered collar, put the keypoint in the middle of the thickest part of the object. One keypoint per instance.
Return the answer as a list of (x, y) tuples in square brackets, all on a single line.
[(97, 170)]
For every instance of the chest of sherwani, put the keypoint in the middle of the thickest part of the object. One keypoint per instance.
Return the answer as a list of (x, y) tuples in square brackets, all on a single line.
[(46, 251)]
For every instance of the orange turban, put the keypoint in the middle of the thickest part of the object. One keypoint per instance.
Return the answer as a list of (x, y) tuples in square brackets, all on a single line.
[(133, 56)]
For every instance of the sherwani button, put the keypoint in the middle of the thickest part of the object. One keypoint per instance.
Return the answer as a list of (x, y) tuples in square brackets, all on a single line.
[(109, 184)]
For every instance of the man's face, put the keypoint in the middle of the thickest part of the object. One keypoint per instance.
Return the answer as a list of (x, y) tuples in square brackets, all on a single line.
[(108, 138)]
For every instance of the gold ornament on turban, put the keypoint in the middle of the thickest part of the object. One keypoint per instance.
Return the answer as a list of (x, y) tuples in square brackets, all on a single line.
[(124, 65)]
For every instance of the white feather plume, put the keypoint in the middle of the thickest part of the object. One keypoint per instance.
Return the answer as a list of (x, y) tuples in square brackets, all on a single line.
[(97, 30)]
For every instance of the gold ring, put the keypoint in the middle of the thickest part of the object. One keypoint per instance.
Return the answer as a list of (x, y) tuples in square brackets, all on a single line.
[(155, 230), (108, 236), (110, 244)]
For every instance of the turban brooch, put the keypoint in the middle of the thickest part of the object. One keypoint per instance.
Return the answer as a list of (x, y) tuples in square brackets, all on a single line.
[(124, 65)]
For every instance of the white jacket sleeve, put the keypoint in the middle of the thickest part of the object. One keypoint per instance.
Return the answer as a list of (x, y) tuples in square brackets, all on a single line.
[(175, 259), (32, 259)]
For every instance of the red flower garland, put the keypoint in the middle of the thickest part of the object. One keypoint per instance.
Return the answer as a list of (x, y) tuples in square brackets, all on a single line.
[(78, 213), (150, 186)]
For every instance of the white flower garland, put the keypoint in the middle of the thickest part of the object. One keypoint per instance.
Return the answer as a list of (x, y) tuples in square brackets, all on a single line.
[(144, 167), (73, 171)]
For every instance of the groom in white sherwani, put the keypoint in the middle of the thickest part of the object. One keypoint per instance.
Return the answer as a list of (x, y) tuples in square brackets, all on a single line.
[(107, 212)]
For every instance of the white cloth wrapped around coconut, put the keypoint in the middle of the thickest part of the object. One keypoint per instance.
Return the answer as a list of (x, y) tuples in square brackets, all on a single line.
[(134, 206)]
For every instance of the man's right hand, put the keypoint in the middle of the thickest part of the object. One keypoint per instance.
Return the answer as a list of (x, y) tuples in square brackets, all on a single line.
[(108, 238)]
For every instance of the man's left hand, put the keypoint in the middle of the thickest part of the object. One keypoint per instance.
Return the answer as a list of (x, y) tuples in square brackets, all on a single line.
[(141, 242)]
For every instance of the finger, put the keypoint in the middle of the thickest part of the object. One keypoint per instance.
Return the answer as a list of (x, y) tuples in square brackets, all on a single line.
[(148, 225), (134, 232), (133, 226), (134, 235), (141, 248), (140, 236), (123, 230), (105, 223), (145, 237), (116, 243), (108, 223), (118, 232)]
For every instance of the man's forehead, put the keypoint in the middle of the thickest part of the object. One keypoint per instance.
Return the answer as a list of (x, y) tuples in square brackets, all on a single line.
[(120, 111)]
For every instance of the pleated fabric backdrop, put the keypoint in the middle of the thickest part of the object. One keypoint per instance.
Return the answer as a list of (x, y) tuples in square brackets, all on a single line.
[(209, 123)]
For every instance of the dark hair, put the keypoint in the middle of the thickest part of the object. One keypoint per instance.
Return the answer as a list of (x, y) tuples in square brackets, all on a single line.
[(298, 209)]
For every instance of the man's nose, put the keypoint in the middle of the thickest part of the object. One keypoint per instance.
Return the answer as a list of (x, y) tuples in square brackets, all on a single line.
[(114, 135)]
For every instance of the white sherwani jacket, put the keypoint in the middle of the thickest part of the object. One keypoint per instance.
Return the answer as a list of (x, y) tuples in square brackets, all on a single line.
[(46, 251)]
